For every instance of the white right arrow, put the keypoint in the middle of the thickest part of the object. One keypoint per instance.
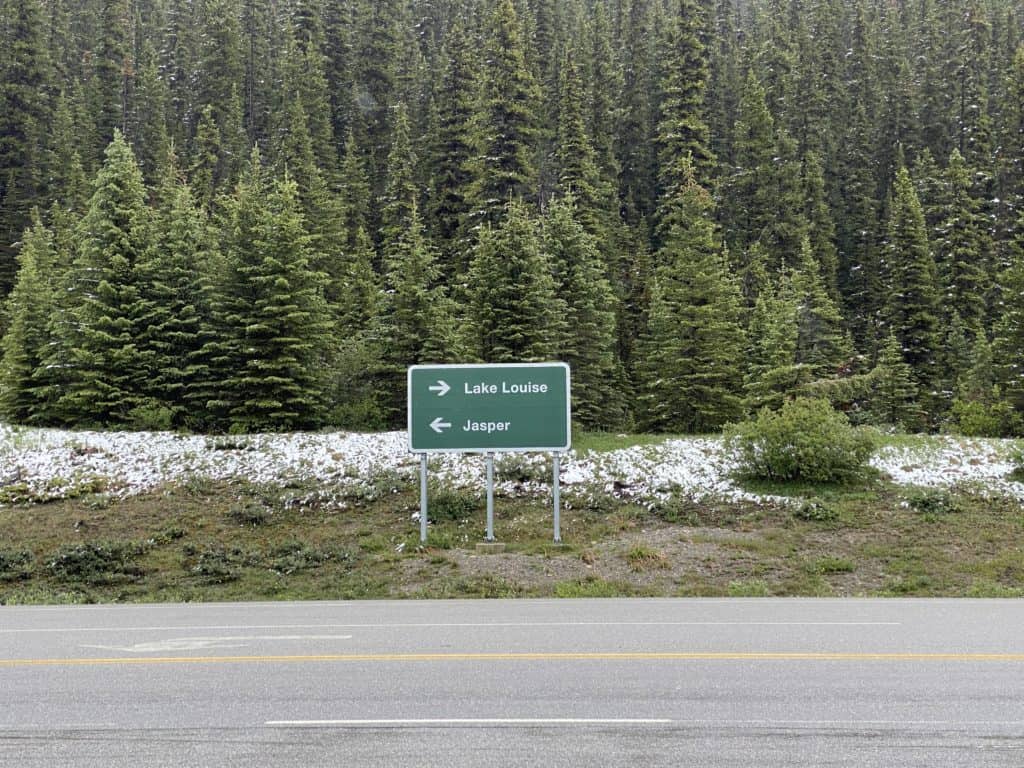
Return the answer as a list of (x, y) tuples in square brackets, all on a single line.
[(441, 387), (439, 426)]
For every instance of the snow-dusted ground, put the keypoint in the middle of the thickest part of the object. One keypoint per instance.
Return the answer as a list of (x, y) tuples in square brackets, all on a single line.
[(46, 464)]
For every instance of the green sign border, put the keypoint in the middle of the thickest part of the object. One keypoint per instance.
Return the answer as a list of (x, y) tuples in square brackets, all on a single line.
[(491, 449)]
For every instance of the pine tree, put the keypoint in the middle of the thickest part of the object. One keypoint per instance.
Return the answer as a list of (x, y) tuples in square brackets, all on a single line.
[(30, 306), (506, 125), (452, 150), (773, 369), (821, 226), (112, 68), (964, 248), (415, 324), (273, 307), (173, 273), (691, 355), (635, 146), (109, 366), (893, 396), (24, 120), (820, 344), (355, 189), (146, 121), (682, 127), (1008, 335), (588, 337), (512, 310), (401, 193), (578, 172), (912, 307)]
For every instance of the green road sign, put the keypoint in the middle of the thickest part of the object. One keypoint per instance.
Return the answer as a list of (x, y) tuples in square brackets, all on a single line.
[(481, 408)]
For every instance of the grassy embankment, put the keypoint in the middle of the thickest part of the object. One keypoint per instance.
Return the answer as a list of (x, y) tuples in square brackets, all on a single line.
[(202, 540)]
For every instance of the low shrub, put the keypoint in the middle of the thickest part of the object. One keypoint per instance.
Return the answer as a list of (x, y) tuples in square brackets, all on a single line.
[(15, 564), (806, 440), (449, 504), (979, 419), (815, 511), (522, 468), (933, 502), (96, 562)]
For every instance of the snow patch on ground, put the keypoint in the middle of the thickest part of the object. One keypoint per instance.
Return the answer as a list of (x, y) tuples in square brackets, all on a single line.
[(49, 463)]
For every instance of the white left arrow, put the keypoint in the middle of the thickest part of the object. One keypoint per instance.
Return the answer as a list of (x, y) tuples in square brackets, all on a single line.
[(439, 426), (441, 387)]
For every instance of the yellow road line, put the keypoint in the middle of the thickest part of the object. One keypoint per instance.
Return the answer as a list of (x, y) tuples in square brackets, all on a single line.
[(461, 657)]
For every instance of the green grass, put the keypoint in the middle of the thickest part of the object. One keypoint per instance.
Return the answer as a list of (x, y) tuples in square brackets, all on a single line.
[(217, 541), (605, 442)]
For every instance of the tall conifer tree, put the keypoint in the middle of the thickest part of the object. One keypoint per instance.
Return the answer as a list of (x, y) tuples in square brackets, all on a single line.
[(513, 310), (506, 125), (30, 306), (588, 339), (692, 352), (24, 121), (109, 365), (912, 308)]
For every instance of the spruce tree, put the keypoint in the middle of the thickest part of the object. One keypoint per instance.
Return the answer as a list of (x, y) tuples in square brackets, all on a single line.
[(506, 124), (820, 344), (512, 309), (452, 151), (893, 398), (355, 189), (273, 307), (964, 248), (912, 308), (1008, 333), (109, 367), (24, 120), (821, 225), (147, 119), (578, 171), (692, 352), (401, 193), (773, 369), (30, 307), (588, 337), (682, 127), (173, 273), (748, 188), (637, 128), (1009, 181), (603, 80), (415, 324), (112, 71)]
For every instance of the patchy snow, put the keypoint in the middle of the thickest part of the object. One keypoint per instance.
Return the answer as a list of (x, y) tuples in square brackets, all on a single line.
[(47, 463)]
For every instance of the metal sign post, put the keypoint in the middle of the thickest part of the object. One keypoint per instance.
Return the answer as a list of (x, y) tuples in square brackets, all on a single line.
[(423, 498), (557, 501), (490, 497)]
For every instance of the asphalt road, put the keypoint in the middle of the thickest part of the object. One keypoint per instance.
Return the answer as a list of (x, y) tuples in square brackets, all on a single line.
[(701, 683)]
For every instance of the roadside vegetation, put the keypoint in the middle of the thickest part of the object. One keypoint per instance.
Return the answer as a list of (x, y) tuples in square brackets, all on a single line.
[(198, 538)]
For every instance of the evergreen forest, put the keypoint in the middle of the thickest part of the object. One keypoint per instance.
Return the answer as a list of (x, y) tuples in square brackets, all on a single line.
[(240, 215)]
